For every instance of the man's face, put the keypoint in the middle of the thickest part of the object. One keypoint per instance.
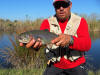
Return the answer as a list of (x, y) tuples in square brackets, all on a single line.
[(62, 10)]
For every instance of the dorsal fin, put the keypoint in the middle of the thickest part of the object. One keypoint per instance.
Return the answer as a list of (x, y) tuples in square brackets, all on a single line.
[(46, 30)]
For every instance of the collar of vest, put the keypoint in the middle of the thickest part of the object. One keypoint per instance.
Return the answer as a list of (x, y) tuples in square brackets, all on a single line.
[(71, 27), (70, 20)]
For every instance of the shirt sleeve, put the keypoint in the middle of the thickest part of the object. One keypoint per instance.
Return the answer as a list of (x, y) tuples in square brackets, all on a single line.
[(83, 41), (45, 25)]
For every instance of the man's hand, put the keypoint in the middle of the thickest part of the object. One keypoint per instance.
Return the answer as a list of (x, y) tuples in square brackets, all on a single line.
[(35, 43), (62, 40)]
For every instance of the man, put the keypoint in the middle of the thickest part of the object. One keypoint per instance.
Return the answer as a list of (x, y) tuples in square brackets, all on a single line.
[(73, 33)]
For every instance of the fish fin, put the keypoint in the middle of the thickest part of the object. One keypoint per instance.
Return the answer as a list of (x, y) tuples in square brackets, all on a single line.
[(46, 30)]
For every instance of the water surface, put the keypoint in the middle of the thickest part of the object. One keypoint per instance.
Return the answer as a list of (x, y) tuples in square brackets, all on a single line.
[(93, 60)]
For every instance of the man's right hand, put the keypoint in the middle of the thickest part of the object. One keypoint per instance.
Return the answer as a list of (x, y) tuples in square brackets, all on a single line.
[(33, 43)]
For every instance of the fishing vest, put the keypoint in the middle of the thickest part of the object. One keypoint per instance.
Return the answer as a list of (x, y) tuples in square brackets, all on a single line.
[(71, 29)]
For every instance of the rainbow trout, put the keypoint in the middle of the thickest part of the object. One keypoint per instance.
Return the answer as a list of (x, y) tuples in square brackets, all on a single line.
[(44, 35), (46, 38)]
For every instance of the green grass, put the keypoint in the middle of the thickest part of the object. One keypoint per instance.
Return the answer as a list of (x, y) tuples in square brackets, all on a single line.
[(94, 73), (32, 72), (21, 71)]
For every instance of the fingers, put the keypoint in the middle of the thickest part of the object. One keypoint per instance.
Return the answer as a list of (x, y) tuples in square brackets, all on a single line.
[(34, 43), (54, 41), (38, 43), (48, 62), (59, 43), (21, 44), (57, 40), (30, 43), (61, 40)]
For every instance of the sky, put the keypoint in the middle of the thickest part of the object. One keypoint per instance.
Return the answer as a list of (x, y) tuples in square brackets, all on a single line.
[(33, 9)]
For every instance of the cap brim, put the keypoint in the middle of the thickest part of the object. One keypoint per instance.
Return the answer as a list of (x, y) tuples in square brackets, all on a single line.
[(61, 1)]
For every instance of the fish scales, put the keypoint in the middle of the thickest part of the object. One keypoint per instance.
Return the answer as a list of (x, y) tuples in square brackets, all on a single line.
[(44, 35)]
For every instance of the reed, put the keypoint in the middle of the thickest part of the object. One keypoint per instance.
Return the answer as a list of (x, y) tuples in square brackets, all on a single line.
[(18, 26), (93, 21), (22, 57)]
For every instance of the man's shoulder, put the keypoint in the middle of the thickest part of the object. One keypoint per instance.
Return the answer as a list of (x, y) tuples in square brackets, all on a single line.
[(45, 19), (75, 16), (78, 17), (44, 25)]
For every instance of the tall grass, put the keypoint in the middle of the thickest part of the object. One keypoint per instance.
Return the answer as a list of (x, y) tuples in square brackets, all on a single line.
[(22, 57), (93, 21), (21, 71), (18, 26), (32, 72), (23, 61)]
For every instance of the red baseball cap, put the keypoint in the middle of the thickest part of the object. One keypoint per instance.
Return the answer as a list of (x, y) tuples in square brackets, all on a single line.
[(61, 0)]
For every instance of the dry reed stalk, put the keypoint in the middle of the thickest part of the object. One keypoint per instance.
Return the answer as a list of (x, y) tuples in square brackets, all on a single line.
[(21, 57)]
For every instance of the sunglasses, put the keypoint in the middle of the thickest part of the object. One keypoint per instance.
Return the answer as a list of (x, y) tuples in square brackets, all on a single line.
[(59, 4)]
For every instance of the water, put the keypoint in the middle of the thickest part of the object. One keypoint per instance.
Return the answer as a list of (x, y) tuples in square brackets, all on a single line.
[(94, 52), (4, 43), (93, 60)]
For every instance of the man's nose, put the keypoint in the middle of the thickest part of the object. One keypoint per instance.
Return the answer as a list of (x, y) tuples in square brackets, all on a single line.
[(61, 8)]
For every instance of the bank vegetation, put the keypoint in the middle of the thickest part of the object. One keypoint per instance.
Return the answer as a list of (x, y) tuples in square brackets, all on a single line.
[(18, 26), (28, 61)]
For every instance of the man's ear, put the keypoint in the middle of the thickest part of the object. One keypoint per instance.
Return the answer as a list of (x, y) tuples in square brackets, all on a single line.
[(70, 5)]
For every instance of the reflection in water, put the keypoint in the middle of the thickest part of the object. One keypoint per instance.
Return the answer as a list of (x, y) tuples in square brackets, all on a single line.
[(93, 54), (95, 35), (4, 40), (4, 43)]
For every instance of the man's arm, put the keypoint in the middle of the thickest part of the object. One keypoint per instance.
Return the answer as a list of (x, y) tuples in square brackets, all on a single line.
[(83, 41), (80, 43)]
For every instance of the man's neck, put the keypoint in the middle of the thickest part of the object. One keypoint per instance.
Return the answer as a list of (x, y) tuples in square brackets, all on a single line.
[(62, 20)]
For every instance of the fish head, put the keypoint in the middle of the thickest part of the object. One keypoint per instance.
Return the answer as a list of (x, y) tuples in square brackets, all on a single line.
[(24, 38)]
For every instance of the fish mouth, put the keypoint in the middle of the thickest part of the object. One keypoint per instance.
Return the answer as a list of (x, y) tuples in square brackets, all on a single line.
[(24, 40)]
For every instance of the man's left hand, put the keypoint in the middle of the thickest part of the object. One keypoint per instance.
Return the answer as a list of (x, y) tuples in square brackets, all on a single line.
[(62, 40)]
